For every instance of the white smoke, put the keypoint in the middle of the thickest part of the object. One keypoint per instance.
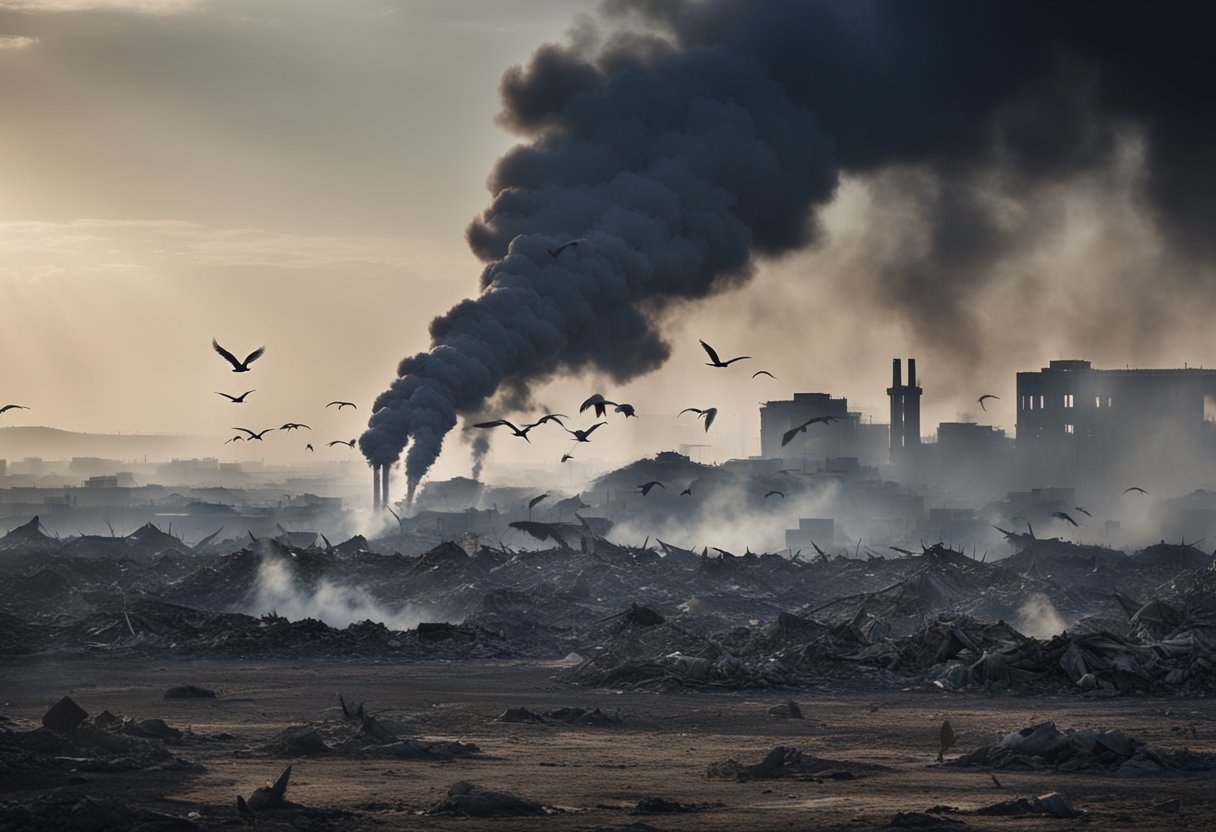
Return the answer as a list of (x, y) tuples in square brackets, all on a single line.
[(338, 605), (1038, 617)]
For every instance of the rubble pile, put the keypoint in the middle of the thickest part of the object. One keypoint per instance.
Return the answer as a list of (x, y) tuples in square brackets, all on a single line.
[(69, 744), (1043, 746), (791, 763), (657, 616)]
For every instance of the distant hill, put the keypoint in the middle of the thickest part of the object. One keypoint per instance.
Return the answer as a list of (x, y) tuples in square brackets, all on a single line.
[(51, 443)]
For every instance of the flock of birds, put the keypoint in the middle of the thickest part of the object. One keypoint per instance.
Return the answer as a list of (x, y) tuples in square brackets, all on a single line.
[(249, 435), (599, 407)]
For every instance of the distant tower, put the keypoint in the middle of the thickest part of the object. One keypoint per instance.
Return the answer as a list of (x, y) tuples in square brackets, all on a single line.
[(905, 409)]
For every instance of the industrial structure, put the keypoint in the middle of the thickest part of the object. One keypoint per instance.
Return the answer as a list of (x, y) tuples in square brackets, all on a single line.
[(846, 436), (1077, 423), (905, 411)]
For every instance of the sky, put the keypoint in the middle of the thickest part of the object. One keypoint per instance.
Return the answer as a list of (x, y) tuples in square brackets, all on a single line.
[(301, 174)]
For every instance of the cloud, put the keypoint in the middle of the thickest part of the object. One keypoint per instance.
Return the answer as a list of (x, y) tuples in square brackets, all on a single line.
[(16, 41), (139, 6), (190, 242)]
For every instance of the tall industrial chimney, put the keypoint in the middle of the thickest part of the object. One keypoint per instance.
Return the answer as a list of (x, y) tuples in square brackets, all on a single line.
[(895, 393), (384, 469), (912, 408), (375, 487)]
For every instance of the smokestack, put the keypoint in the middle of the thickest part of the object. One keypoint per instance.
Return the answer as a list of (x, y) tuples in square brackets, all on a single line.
[(897, 372), (384, 469), (911, 408), (375, 487)]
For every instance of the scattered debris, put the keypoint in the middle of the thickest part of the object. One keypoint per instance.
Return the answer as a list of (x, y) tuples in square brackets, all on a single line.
[(1043, 746), (465, 798), (189, 692), (787, 762)]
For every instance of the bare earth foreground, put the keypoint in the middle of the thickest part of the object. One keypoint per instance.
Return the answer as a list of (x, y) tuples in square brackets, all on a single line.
[(595, 776)]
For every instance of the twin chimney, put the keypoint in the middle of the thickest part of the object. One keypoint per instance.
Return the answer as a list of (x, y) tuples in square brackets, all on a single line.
[(380, 487)]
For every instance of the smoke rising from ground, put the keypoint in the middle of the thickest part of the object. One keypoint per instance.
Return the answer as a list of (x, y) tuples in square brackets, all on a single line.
[(279, 590), (679, 140), (1038, 618)]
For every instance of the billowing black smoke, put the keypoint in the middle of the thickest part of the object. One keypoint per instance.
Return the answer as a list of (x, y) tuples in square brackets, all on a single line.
[(678, 139)]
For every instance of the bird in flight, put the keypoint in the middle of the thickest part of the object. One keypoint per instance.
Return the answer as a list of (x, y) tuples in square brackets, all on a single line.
[(343, 404), (708, 414), (627, 410), (349, 444), (309, 447), (687, 492), (763, 373), (584, 435), (1083, 511), (548, 417), (714, 361), (986, 396), (532, 503), (774, 491), (9, 407), (1135, 488), (238, 366), (647, 487), (554, 252), (234, 439), (235, 399), (522, 433), (789, 435), (294, 425), (567, 457), (1060, 515), (253, 434), (600, 404)]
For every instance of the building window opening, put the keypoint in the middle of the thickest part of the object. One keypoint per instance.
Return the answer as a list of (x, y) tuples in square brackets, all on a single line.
[(1097, 401), (1031, 400), (1042, 402), (1070, 428), (1068, 400)]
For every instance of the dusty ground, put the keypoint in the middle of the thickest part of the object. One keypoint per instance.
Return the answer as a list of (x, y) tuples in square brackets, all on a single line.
[(661, 748)]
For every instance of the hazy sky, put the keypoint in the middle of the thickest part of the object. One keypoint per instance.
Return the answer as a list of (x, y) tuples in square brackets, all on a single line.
[(300, 174)]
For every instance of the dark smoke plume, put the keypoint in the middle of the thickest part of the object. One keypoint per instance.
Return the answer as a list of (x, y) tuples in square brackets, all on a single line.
[(681, 138)]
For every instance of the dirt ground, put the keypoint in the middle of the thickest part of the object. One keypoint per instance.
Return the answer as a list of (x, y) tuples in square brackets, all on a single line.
[(661, 747)]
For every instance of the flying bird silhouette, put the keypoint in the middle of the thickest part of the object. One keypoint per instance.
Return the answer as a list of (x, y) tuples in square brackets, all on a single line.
[(714, 361), (1083, 511), (343, 404), (532, 503), (294, 426), (709, 414), (1059, 515), (9, 407), (238, 366), (687, 492), (234, 439), (549, 417), (1135, 488), (647, 487), (627, 410), (566, 457), (254, 434), (309, 447), (554, 252), (986, 396), (522, 433), (349, 444), (598, 402), (788, 436), (774, 491), (235, 399), (763, 373), (584, 435)]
